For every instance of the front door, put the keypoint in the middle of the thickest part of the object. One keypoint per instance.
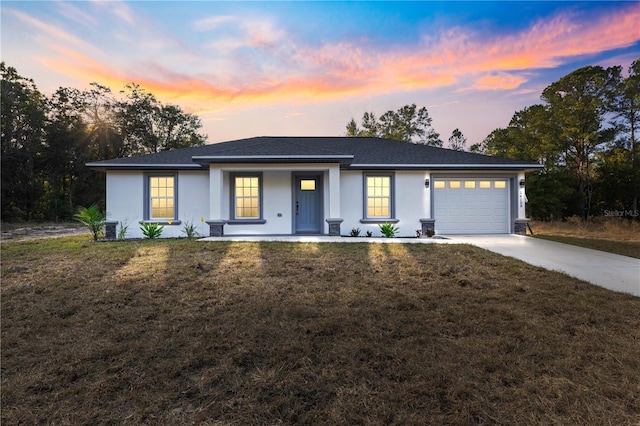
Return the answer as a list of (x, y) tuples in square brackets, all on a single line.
[(308, 204)]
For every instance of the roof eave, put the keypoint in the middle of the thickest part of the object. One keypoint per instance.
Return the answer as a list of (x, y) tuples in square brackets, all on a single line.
[(137, 166), (526, 167), (253, 159)]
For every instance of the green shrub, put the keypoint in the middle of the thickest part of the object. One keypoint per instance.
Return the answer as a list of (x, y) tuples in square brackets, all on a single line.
[(389, 230), (189, 229), (122, 232), (92, 218), (151, 230), (355, 232)]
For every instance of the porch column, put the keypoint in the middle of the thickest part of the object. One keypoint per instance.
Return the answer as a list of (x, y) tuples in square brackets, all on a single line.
[(521, 222), (215, 222), (334, 192), (334, 219)]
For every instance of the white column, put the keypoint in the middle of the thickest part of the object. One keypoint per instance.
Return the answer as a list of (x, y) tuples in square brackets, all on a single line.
[(334, 192), (215, 193), (522, 196), (426, 200)]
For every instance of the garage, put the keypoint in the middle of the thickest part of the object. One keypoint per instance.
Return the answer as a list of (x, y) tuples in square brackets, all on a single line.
[(475, 205)]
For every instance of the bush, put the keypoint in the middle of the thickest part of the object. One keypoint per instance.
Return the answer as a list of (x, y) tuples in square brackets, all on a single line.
[(389, 230), (92, 218), (189, 229), (122, 233), (151, 230)]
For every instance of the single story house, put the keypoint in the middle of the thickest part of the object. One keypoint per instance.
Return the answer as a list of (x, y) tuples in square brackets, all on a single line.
[(316, 185)]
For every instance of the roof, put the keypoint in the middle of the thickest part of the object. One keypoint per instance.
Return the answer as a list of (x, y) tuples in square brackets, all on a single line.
[(350, 153)]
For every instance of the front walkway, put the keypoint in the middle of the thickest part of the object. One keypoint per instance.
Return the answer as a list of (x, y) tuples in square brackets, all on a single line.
[(611, 271)]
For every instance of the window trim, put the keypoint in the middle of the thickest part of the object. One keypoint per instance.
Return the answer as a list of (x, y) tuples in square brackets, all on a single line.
[(147, 200), (233, 220), (392, 199)]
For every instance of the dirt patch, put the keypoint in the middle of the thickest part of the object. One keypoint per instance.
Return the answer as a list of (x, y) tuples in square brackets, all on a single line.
[(25, 231)]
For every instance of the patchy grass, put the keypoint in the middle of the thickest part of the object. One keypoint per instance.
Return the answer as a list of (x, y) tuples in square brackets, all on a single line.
[(613, 235), (625, 248), (184, 332)]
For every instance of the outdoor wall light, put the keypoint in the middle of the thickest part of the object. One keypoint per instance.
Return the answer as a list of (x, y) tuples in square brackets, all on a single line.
[(426, 183), (521, 183)]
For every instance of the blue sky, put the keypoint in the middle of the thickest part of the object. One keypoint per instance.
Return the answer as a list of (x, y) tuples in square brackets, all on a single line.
[(306, 68)]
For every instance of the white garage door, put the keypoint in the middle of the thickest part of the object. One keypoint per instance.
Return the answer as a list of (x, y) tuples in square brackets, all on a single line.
[(471, 206)]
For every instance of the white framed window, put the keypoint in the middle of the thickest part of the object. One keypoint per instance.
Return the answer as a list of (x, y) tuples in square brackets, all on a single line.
[(379, 196), (161, 198), (246, 197)]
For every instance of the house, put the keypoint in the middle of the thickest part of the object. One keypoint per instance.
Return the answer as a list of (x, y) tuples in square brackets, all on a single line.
[(316, 185)]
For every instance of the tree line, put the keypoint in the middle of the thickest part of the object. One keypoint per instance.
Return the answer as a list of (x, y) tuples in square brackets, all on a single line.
[(47, 140), (585, 133)]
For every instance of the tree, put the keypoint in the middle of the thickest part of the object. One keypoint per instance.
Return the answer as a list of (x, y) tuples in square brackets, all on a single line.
[(92, 218), (65, 143), (46, 142), (148, 126), (588, 162), (408, 124), (352, 129), (457, 141), (578, 104), (531, 136), (23, 120), (626, 107)]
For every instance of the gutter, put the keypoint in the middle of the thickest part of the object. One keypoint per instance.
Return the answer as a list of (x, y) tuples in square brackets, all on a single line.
[(526, 167)]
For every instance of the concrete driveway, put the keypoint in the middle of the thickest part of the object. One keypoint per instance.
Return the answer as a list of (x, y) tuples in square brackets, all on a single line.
[(612, 271)]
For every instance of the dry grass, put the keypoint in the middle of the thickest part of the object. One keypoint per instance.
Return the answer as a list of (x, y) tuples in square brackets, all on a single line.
[(613, 235), (600, 228), (183, 332)]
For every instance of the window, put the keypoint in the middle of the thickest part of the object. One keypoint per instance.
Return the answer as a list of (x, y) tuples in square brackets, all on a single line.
[(246, 198), (484, 184), (162, 196), (439, 184), (379, 196), (500, 184), (454, 184), (469, 184), (307, 184)]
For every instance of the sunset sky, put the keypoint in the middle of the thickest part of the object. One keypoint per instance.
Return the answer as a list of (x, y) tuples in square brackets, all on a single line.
[(306, 68)]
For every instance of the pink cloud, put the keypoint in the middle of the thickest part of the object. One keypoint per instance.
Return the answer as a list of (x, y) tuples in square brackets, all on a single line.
[(48, 30), (499, 81), (545, 45), (283, 70)]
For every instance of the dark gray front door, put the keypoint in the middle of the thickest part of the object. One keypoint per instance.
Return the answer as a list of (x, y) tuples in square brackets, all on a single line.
[(308, 205)]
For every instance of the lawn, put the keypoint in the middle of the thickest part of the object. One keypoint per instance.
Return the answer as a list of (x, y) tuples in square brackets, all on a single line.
[(613, 235), (186, 332)]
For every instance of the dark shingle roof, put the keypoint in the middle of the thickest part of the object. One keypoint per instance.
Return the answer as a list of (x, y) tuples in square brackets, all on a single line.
[(352, 153)]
